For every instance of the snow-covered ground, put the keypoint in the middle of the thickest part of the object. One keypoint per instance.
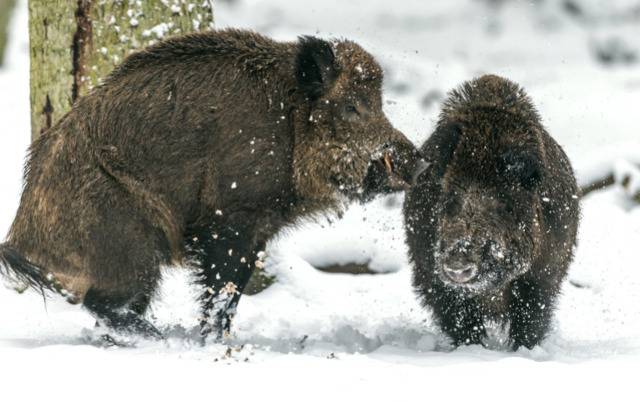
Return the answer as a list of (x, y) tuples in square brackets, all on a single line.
[(315, 335)]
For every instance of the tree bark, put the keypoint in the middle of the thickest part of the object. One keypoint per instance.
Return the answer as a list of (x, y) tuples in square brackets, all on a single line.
[(6, 6), (76, 43)]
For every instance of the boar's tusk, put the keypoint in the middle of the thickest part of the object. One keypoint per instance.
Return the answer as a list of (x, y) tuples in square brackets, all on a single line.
[(388, 163)]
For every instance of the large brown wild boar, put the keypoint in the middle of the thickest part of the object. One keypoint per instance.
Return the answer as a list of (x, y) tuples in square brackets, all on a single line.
[(200, 149)]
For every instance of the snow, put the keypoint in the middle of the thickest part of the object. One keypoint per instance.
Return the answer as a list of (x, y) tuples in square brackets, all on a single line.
[(315, 335), (159, 30)]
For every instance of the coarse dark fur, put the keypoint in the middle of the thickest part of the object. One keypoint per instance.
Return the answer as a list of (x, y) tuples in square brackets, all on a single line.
[(199, 149), (491, 224)]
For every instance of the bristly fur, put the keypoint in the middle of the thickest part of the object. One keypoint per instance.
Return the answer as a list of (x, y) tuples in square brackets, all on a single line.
[(498, 203), (199, 148), (248, 50)]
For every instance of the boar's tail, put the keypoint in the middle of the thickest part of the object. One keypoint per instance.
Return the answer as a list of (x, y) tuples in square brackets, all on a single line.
[(16, 267), (19, 269)]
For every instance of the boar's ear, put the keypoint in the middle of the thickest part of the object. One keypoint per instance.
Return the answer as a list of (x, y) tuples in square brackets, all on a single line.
[(445, 140), (315, 66), (523, 167)]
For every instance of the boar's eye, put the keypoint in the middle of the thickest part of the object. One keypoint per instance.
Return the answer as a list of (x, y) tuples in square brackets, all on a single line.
[(351, 112)]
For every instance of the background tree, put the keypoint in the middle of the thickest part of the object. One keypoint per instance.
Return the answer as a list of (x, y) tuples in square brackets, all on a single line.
[(5, 13), (75, 43)]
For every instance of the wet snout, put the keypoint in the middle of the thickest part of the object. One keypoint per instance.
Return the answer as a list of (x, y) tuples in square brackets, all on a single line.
[(460, 273), (460, 262)]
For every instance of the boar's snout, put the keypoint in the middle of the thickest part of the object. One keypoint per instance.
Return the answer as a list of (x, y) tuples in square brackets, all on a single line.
[(461, 273), (396, 167), (460, 264), (472, 261), (403, 161)]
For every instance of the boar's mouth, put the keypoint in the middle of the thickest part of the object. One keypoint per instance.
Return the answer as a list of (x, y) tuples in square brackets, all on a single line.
[(385, 175), (395, 181), (381, 178)]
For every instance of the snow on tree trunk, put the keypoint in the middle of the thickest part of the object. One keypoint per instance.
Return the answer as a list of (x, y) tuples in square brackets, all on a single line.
[(5, 13), (75, 43)]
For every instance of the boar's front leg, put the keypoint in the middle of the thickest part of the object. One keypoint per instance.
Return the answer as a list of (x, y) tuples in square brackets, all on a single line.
[(530, 310), (460, 318), (226, 255)]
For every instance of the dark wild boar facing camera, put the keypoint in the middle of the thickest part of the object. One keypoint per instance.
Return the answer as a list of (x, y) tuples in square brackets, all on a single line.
[(200, 149), (491, 224)]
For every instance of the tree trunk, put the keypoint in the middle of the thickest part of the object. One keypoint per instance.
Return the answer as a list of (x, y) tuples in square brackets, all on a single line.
[(75, 43), (6, 6)]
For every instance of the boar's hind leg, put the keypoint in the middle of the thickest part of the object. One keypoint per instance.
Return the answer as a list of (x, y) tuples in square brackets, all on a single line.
[(122, 313), (124, 265), (226, 256), (531, 309)]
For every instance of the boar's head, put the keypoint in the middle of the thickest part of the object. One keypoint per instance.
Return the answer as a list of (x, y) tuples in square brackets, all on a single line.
[(488, 203), (346, 145)]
